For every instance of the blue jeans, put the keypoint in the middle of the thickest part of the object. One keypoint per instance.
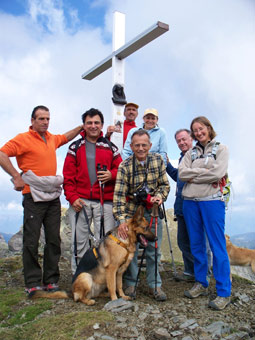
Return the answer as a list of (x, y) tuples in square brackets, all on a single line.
[(132, 270), (184, 245), (208, 216)]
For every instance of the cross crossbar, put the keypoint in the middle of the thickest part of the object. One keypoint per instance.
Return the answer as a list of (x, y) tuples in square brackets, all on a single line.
[(133, 45)]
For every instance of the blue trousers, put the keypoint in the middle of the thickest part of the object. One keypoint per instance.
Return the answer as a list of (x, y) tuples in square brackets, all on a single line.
[(208, 216), (132, 270)]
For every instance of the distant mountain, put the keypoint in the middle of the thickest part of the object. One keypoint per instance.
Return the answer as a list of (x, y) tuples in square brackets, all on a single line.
[(246, 240), (6, 236)]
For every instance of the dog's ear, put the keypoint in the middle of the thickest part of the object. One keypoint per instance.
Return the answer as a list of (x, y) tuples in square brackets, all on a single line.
[(227, 237), (139, 213)]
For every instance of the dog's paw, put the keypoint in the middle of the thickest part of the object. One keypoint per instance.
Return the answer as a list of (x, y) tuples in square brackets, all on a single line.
[(90, 302), (125, 297)]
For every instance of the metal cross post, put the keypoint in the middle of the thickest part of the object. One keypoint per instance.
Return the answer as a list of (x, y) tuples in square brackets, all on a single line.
[(116, 61)]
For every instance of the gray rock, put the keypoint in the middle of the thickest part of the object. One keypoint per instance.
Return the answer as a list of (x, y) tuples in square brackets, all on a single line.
[(141, 337), (16, 242), (118, 305), (187, 323), (244, 272), (3, 244), (176, 333), (218, 328), (106, 337), (237, 336), (142, 316), (162, 333)]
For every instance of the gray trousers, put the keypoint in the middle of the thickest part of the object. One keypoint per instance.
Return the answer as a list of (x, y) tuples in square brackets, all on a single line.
[(82, 231)]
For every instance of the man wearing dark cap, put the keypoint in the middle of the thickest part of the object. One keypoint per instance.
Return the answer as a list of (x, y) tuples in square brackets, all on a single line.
[(130, 113)]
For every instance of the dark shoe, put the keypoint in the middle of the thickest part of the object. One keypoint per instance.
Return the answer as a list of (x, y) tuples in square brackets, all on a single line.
[(51, 287), (197, 290), (220, 302), (130, 291), (184, 277), (30, 291), (158, 295)]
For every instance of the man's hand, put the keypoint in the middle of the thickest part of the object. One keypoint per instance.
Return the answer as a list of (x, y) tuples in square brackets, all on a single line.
[(156, 199), (104, 176), (78, 204), (123, 230), (18, 183), (110, 130)]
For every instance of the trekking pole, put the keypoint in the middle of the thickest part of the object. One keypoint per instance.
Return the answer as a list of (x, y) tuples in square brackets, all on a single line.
[(139, 271), (169, 241), (101, 187), (154, 214)]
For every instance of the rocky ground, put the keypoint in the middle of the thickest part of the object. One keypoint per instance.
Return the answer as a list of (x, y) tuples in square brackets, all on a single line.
[(144, 318)]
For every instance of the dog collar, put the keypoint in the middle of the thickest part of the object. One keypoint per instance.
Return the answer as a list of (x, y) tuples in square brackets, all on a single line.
[(118, 241), (95, 253)]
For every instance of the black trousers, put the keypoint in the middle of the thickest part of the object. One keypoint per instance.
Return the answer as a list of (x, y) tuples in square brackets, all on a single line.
[(37, 214)]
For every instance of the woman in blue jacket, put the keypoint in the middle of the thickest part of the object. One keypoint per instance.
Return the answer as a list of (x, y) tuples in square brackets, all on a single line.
[(157, 136)]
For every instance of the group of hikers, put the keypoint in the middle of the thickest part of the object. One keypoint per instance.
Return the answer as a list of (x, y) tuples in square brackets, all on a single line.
[(105, 186)]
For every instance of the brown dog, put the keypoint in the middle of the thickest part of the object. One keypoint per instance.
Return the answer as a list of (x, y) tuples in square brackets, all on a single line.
[(240, 256), (113, 257)]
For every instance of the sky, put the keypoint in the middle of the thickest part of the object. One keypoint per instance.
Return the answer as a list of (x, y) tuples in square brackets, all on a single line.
[(204, 65)]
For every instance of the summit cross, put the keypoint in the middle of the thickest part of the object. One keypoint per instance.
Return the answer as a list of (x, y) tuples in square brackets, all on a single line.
[(116, 61)]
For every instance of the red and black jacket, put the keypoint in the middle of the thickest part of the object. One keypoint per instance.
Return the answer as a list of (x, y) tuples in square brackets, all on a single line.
[(75, 171)]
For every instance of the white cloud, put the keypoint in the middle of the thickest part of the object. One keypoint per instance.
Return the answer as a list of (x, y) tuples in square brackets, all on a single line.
[(14, 206), (203, 65)]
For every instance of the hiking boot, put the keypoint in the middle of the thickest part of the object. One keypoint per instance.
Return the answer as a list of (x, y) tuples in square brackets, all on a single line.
[(30, 291), (197, 290), (158, 295), (130, 291), (51, 287), (184, 277), (220, 302)]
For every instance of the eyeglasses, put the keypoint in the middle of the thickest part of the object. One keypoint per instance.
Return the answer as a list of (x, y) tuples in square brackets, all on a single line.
[(199, 130)]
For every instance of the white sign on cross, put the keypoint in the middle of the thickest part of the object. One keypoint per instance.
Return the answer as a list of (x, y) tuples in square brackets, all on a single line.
[(116, 61)]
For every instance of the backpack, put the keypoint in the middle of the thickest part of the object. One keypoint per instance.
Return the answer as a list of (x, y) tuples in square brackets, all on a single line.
[(224, 183)]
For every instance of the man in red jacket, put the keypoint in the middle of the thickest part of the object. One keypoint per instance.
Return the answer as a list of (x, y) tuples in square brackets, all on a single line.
[(84, 182), (130, 113)]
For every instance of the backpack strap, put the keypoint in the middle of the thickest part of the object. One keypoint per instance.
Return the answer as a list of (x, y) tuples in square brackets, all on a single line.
[(215, 149), (194, 153), (77, 144)]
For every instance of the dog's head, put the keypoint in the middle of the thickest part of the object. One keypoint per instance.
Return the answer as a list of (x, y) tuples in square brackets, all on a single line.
[(140, 227), (228, 242), (227, 238)]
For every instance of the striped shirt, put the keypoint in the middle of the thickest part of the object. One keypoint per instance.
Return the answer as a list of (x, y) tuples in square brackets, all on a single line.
[(157, 183)]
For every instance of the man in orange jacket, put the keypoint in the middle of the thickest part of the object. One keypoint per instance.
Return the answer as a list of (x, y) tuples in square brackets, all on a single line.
[(36, 150)]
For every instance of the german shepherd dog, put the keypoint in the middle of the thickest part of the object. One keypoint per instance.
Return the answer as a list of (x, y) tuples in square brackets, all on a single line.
[(113, 257), (240, 256)]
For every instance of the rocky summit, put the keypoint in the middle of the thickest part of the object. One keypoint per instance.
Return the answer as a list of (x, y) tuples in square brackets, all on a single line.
[(140, 319)]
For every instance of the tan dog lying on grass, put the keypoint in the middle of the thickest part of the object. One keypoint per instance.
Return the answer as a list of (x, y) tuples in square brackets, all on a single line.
[(111, 260), (240, 256)]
